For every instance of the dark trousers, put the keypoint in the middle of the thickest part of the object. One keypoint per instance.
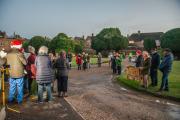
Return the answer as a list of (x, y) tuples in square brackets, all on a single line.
[(154, 78), (114, 70), (62, 83), (164, 84), (26, 88), (29, 84), (84, 66), (119, 70), (79, 66)]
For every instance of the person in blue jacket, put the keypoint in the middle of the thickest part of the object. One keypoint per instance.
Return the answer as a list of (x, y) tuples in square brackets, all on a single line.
[(166, 67)]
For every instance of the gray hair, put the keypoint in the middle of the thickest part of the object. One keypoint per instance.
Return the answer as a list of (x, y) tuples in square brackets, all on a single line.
[(31, 49), (43, 50)]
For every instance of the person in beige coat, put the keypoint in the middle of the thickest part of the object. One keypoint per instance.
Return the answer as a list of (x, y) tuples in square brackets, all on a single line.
[(16, 62)]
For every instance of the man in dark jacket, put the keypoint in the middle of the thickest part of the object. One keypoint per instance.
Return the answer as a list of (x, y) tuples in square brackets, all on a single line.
[(166, 67), (113, 63), (155, 61)]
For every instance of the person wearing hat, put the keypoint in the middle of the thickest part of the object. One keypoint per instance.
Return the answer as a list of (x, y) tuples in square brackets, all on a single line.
[(166, 67), (16, 62), (139, 60)]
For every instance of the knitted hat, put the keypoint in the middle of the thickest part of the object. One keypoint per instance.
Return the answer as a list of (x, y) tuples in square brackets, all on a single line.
[(16, 44), (138, 52)]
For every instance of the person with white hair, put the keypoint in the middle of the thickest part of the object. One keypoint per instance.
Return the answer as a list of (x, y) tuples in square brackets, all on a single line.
[(145, 69), (16, 62), (44, 73), (2, 63)]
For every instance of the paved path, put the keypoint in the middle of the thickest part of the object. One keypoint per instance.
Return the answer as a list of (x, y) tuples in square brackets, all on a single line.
[(57, 110), (96, 96)]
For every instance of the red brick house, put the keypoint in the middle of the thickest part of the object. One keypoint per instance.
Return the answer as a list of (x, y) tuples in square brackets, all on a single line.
[(5, 40)]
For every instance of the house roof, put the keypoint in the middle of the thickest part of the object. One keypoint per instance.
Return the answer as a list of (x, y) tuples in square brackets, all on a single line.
[(89, 37), (78, 38), (142, 36)]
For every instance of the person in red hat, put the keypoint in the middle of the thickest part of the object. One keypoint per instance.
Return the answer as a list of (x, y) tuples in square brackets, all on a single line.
[(16, 62), (139, 60)]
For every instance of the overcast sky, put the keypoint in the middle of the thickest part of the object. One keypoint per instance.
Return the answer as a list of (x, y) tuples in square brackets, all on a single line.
[(83, 17)]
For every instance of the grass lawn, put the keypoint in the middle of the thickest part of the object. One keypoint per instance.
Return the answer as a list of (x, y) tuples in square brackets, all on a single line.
[(93, 61), (174, 82)]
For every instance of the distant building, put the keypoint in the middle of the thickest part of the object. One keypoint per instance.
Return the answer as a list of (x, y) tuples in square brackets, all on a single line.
[(5, 40), (137, 39), (87, 43)]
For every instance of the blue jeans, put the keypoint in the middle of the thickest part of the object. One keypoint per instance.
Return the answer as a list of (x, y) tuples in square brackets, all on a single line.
[(41, 88), (164, 84), (16, 83)]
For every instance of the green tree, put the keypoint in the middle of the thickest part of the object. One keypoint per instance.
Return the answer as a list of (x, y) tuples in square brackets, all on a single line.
[(109, 39), (62, 41), (38, 41), (171, 39), (26, 44), (78, 48), (149, 44)]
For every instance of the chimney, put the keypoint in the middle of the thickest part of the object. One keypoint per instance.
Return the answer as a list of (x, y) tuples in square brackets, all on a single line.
[(139, 32)]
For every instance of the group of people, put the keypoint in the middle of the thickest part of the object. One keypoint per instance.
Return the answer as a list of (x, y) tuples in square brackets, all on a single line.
[(115, 61), (149, 64), (41, 68), (83, 61)]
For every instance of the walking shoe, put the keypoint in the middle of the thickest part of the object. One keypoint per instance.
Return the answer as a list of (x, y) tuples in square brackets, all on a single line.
[(65, 94), (20, 103)]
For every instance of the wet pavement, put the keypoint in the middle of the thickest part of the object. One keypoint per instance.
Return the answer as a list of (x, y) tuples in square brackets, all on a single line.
[(59, 109), (96, 96)]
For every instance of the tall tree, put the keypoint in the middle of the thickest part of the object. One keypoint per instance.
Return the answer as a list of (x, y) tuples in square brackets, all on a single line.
[(38, 41), (62, 41), (171, 39), (149, 44), (109, 39)]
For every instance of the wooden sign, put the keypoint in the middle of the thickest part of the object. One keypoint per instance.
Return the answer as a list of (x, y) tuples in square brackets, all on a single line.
[(133, 73)]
